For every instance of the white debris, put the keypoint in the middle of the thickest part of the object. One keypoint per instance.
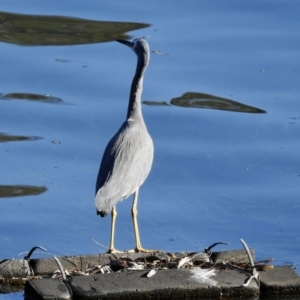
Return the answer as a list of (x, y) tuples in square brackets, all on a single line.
[(152, 272), (203, 276), (183, 262)]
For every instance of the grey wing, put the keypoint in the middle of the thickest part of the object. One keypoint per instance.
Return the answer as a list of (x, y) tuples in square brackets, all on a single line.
[(107, 164), (125, 165)]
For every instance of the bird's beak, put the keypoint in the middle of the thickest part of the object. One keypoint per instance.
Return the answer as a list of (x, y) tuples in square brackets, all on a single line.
[(127, 43)]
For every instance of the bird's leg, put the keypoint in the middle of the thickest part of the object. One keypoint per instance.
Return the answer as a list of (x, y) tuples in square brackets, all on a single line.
[(112, 248), (134, 220), (138, 247)]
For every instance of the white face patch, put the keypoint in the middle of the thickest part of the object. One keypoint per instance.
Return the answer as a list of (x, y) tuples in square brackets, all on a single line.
[(203, 276), (135, 42), (139, 42)]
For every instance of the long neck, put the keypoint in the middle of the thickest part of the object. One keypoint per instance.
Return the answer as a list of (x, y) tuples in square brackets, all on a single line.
[(134, 105)]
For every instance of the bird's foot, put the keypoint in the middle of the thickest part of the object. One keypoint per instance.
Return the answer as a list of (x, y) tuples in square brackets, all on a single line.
[(113, 250), (142, 250)]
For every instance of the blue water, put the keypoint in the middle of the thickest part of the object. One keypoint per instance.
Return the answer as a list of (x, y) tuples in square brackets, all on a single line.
[(216, 176)]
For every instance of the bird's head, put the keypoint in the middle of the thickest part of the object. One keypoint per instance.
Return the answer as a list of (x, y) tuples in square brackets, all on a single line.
[(139, 46)]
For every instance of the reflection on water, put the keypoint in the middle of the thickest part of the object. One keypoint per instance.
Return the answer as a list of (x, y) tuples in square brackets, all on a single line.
[(4, 137), (20, 190), (31, 97), (35, 30), (200, 100)]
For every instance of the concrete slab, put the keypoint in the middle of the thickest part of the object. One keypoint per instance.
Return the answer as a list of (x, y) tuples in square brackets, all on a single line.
[(181, 283), (280, 281), (206, 277), (14, 268), (47, 289)]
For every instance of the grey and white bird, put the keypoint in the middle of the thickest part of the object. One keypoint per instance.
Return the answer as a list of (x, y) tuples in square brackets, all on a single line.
[(128, 156)]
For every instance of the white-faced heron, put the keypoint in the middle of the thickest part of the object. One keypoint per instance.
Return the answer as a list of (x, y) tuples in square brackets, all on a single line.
[(128, 156)]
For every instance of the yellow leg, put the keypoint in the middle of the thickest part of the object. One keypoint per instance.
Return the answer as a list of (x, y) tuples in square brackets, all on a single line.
[(138, 247), (112, 248)]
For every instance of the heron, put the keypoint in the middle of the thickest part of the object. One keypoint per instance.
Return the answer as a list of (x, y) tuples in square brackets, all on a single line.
[(128, 156)]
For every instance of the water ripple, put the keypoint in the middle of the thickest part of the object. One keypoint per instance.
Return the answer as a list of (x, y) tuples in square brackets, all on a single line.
[(201, 100), (32, 97), (7, 191), (37, 30), (4, 138)]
